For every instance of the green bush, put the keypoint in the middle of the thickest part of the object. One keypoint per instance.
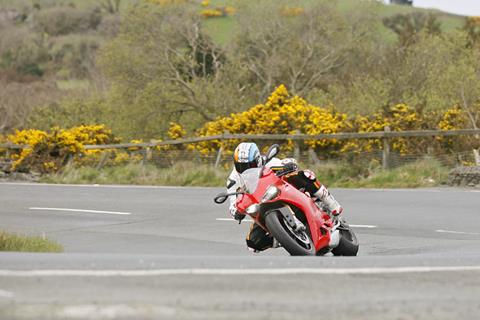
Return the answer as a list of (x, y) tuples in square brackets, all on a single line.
[(74, 55), (64, 20)]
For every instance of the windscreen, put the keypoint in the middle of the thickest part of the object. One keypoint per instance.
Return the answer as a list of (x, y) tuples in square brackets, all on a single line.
[(249, 179)]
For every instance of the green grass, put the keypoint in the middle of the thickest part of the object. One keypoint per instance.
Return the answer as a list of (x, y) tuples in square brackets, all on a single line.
[(181, 174), (73, 84), (425, 173), (222, 29), (14, 242)]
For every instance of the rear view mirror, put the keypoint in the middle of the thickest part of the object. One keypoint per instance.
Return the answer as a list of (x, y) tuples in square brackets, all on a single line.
[(272, 152), (220, 198)]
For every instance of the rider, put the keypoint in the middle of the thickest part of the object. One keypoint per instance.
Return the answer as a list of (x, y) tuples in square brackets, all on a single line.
[(246, 156)]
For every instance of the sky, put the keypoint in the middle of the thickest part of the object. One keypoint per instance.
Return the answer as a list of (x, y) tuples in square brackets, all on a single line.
[(463, 7)]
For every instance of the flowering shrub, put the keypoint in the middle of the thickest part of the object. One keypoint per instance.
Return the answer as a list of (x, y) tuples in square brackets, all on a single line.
[(453, 119), (288, 11), (166, 2), (48, 151), (281, 113), (399, 118), (211, 13), (216, 12), (176, 131)]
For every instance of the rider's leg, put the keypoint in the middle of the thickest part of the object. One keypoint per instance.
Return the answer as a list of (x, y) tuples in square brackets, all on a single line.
[(258, 239), (307, 181)]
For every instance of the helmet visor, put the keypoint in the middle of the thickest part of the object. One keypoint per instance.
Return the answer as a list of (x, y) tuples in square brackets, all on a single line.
[(242, 166)]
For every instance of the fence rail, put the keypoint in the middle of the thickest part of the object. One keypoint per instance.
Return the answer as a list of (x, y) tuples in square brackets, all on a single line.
[(385, 136), (295, 137)]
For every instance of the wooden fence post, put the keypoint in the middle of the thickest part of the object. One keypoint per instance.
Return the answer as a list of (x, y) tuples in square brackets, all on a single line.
[(296, 147), (103, 159), (476, 156), (219, 157), (386, 150), (147, 155), (313, 157)]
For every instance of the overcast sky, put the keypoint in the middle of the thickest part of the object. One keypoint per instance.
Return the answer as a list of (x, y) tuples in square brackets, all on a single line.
[(463, 7)]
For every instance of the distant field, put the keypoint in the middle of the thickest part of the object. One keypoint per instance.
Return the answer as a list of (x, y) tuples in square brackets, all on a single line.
[(221, 29)]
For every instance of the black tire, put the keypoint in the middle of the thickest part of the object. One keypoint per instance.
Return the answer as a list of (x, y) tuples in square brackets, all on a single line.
[(296, 243), (348, 245)]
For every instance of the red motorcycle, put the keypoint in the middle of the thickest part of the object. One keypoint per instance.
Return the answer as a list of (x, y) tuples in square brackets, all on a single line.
[(293, 218)]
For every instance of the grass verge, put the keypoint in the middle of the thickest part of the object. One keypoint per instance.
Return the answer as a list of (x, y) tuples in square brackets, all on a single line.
[(425, 173), (14, 242), (181, 174)]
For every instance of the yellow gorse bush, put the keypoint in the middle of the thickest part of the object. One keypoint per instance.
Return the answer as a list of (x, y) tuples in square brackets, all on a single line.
[(47, 152), (288, 11), (281, 113), (166, 2), (399, 117), (211, 13)]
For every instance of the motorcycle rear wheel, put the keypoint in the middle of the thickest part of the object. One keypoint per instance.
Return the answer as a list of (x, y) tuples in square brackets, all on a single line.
[(296, 243)]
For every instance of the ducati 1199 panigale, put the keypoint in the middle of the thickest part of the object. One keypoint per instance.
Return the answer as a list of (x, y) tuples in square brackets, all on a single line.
[(293, 218)]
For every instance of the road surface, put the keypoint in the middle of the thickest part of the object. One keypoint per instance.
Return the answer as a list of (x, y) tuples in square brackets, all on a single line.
[(171, 253)]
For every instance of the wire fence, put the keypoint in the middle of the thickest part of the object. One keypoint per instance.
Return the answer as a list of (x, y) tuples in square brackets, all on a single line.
[(166, 159), (168, 153)]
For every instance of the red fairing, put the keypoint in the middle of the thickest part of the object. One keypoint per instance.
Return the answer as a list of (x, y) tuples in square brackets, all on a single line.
[(319, 222)]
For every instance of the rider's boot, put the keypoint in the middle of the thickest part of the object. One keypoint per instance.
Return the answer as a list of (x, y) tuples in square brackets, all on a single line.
[(329, 201)]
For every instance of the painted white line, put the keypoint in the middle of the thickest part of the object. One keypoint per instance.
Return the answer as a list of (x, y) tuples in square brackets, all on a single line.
[(457, 232), (6, 294), (95, 311), (221, 272), (79, 210), (351, 225), (231, 219), (366, 226)]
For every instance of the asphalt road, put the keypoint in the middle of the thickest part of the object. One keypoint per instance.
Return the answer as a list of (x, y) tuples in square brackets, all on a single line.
[(169, 253)]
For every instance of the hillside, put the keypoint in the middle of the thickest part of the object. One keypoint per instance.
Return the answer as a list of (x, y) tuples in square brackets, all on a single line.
[(137, 68)]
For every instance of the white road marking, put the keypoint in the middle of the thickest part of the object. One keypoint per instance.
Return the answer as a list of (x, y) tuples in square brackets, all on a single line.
[(79, 210), (6, 294), (457, 232), (231, 219), (366, 226), (95, 311), (221, 272), (351, 225)]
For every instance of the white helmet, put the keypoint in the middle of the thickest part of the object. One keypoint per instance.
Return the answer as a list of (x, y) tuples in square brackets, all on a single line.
[(246, 156)]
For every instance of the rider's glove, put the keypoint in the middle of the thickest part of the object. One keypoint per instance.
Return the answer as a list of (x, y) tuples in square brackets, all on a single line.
[(289, 167), (238, 216)]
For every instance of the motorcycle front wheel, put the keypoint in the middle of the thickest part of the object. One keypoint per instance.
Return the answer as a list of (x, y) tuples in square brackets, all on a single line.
[(297, 243), (348, 245)]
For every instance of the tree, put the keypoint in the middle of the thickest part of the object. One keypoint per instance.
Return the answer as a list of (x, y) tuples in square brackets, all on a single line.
[(18, 99), (164, 64), (110, 6), (407, 26), (303, 51)]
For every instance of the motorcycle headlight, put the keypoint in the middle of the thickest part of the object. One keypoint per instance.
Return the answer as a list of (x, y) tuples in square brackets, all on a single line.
[(253, 209), (271, 193)]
